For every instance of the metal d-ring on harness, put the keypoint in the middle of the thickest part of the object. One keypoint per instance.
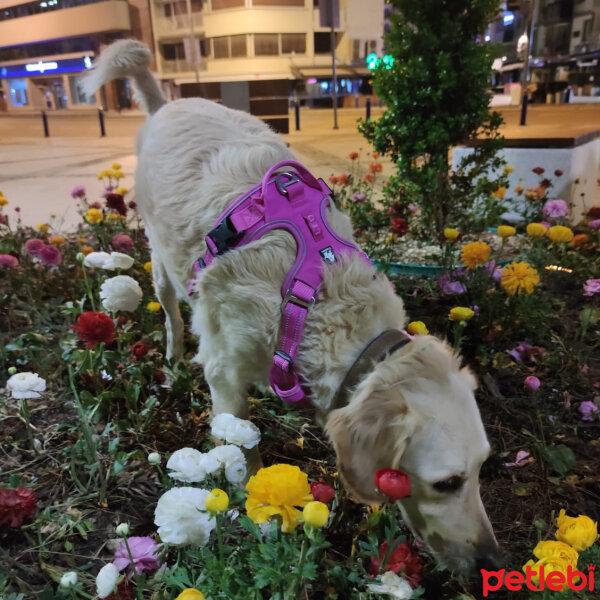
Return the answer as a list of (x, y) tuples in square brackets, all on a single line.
[(296, 201)]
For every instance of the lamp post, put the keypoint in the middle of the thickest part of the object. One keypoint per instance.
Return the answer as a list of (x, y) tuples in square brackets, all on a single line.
[(333, 66), (525, 42)]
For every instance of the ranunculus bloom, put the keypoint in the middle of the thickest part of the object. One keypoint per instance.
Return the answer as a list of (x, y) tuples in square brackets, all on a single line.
[(94, 216), (191, 465), (181, 518), (121, 293), (393, 483), (8, 261), (358, 197), (122, 242), (369, 177), (580, 240), (556, 209), (95, 327), (560, 549), (17, 506), (68, 579), (558, 172), (579, 532), (278, 490), (399, 226), (108, 261), (322, 492), (106, 580), (402, 560), (315, 513), (448, 287), (190, 594), (50, 256), (139, 349), (353, 155), (25, 385), (475, 254), (505, 231), (551, 564), (217, 501), (375, 167), (591, 287), (116, 202), (587, 409), (78, 192), (536, 230), (538, 170), (451, 234), (531, 383), (461, 313), (595, 224), (153, 307), (593, 213), (392, 586), (519, 277), (236, 431), (232, 459), (144, 551), (417, 328), (33, 246), (499, 193), (560, 233)]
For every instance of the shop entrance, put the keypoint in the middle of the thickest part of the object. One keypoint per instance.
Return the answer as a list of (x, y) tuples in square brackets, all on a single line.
[(53, 92)]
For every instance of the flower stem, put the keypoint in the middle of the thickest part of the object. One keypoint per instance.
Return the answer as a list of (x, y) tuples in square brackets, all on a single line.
[(26, 417), (138, 588)]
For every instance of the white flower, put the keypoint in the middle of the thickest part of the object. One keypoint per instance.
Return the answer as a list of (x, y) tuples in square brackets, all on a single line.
[(190, 465), (26, 385), (122, 529), (110, 262), (180, 518), (106, 580), (154, 458), (235, 431), (68, 579), (234, 461), (392, 585), (121, 293)]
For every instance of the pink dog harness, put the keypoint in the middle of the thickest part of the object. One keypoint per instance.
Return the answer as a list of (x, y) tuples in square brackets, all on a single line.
[(297, 202)]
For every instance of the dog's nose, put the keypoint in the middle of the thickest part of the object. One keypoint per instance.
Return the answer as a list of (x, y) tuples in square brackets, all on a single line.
[(489, 562)]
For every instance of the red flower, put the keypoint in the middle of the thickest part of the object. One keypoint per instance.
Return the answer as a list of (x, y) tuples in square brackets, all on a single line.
[(538, 170), (593, 213), (122, 242), (399, 226), (375, 167), (353, 155), (322, 492), (116, 202), (558, 172), (376, 154), (333, 179), (139, 350), (343, 179), (95, 205), (545, 183), (124, 592), (50, 256), (159, 377), (17, 506), (402, 560), (132, 204), (393, 483), (95, 327)]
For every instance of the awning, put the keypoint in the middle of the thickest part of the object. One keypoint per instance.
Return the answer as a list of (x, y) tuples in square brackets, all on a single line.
[(512, 67), (326, 72)]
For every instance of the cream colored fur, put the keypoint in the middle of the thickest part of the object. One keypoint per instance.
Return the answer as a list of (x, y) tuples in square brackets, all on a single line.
[(414, 411)]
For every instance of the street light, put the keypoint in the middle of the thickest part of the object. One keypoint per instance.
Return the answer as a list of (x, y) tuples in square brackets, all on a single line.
[(524, 42)]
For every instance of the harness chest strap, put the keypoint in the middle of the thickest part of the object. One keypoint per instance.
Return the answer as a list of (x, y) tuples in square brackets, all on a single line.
[(296, 202)]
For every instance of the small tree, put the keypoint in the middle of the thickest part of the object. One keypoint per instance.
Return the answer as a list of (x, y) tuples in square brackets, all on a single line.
[(436, 96)]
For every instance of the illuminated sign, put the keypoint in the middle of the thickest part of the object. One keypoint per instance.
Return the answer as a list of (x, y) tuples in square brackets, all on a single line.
[(40, 67), (373, 61), (67, 65)]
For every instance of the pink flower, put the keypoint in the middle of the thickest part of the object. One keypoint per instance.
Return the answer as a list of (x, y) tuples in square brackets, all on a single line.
[(531, 383), (591, 287), (587, 410), (413, 208), (523, 458), (95, 205), (144, 551), (358, 197), (555, 209), (34, 246), (525, 352), (545, 224), (595, 224), (9, 261), (50, 256), (122, 242), (3, 219), (78, 192)]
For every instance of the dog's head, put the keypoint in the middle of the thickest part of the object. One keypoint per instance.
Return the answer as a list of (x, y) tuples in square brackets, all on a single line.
[(416, 411)]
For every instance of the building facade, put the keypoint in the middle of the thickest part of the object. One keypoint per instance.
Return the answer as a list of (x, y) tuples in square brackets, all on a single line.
[(46, 45)]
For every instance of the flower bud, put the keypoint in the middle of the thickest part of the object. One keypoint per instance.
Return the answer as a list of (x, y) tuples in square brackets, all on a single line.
[(190, 594), (68, 579), (315, 514), (80, 256), (417, 328), (393, 483), (154, 458), (12, 370), (122, 529), (322, 492), (531, 383), (217, 501)]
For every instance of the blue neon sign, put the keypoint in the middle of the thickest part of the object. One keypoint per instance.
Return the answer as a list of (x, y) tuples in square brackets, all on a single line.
[(46, 67)]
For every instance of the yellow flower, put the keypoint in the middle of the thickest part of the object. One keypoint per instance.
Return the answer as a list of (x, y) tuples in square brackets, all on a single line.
[(519, 277), (579, 532), (550, 564), (217, 501), (559, 549), (451, 234), (461, 313), (560, 233), (94, 216), (3, 200), (190, 594), (153, 307), (103, 174), (392, 238), (85, 250), (148, 266), (505, 231), (57, 240), (508, 170), (315, 513), (117, 174), (499, 193), (122, 190), (113, 216), (42, 227), (116, 166), (536, 230), (277, 490), (474, 254), (417, 328)]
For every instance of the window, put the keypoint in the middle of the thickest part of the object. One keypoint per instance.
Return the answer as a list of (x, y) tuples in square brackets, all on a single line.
[(278, 2), (322, 43), (18, 92), (222, 4), (266, 44), (221, 47), (238, 45), (293, 42), (172, 51), (77, 95)]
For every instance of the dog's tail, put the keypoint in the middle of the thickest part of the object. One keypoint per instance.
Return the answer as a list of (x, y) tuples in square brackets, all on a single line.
[(127, 58)]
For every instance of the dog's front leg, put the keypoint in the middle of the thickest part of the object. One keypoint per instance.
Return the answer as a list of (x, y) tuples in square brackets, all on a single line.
[(170, 304)]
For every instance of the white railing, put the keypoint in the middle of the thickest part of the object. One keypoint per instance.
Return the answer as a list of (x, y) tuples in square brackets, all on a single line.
[(179, 65), (179, 23)]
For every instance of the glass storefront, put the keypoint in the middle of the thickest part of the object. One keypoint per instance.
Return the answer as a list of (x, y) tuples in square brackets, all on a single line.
[(17, 92), (77, 95)]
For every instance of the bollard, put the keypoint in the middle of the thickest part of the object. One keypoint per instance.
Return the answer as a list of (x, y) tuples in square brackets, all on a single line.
[(368, 109), (297, 114), (45, 123), (524, 110), (101, 118)]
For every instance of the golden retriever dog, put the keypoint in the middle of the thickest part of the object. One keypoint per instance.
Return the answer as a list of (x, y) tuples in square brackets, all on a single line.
[(413, 410)]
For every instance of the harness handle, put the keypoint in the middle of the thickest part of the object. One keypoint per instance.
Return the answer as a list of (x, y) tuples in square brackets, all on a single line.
[(304, 173)]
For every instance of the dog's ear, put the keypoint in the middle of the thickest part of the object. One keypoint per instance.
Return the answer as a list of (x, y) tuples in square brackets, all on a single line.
[(370, 433)]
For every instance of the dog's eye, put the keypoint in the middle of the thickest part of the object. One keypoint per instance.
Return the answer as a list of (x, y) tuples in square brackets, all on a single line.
[(452, 484)]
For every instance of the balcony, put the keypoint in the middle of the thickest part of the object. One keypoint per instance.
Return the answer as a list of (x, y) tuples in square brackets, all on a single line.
[(177, 25), (112, 15)]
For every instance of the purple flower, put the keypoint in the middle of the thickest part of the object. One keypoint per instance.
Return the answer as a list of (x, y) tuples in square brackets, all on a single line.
[(545, 224), (358, 197), (555, 209), (413, 207), (591, 287), (595, 224), (122, 242), (531, 383), (50, 256), (144, 551), (525, 352), (34, 246), (9, 261), (78, 192), (587, 410), (493, 271), (447, 287)]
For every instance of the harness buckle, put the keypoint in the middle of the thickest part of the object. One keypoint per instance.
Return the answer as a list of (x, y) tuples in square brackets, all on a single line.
[(282, 184), (222, 235), (286, 357), (289, 297)]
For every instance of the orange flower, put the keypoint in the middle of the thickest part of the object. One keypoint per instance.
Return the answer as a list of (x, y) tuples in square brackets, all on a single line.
[(518, 189), (580, 239), (353, 155), (343, 179), (376, 167), (369, 177), (86, 250), (333, 179), (376, 155)]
